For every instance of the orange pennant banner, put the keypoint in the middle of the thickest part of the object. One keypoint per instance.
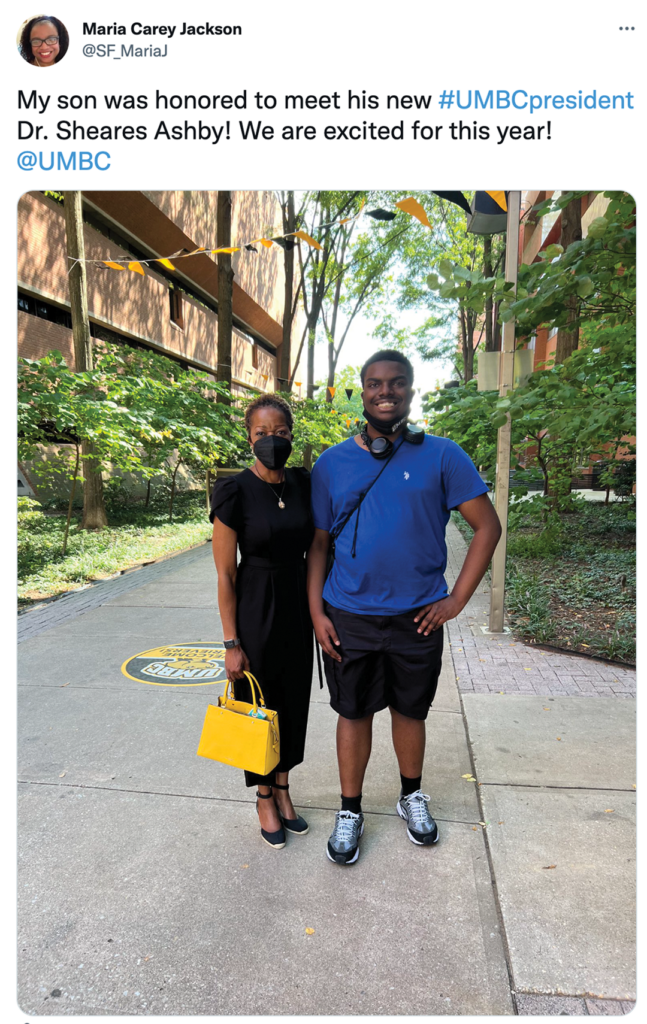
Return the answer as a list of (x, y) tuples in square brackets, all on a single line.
[(214, 251), (332, 392), (499, 199), (114, 266), (413, 207), (166, 263), (307, 238), (137, 267)]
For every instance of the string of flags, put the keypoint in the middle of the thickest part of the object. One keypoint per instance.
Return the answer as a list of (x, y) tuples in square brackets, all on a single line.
[(410, 206)]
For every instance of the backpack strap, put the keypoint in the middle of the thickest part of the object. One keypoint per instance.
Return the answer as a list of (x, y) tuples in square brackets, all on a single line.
[(356, 508)]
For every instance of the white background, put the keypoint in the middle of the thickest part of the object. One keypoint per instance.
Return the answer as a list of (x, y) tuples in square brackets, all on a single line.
[(294, 47)]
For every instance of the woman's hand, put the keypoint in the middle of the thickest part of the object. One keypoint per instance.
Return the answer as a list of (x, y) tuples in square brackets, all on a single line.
[(236, 663), (326, 636), (432, 616)]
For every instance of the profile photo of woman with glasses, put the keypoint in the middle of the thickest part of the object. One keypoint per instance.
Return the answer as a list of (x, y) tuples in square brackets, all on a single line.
[(43, 41)]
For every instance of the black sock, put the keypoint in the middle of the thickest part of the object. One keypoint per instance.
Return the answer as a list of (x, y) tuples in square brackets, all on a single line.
[(409, 785), (352, 803)]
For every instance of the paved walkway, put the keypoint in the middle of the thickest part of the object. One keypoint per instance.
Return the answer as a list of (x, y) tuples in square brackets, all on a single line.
[(144, 888)]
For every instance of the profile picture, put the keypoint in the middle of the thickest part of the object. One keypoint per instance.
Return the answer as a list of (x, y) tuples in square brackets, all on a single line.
[(43, 40)]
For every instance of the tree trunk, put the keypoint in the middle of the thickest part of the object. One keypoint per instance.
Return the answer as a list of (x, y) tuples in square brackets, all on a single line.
[(568, 337), (225, 288), (331, 370), (489, 304), (78, 282), (312, 327), (94, 510), (170, 511), (288, 263), (467, 341), (69, 507), (307, 451)]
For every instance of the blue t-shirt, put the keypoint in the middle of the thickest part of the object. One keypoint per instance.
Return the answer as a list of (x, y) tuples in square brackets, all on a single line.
[(400, 551)]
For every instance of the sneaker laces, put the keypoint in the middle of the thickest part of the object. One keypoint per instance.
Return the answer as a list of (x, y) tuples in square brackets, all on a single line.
[(417, 804), (345, 825)]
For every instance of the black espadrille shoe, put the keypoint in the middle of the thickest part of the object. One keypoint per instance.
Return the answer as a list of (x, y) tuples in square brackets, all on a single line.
[(299, 826), (274, 839)]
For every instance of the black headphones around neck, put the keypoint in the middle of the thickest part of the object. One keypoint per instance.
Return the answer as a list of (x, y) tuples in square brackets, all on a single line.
[(381, 447)]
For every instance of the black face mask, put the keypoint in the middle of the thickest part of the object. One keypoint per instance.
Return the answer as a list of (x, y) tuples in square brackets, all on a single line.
[(385, 428), (273, 451)]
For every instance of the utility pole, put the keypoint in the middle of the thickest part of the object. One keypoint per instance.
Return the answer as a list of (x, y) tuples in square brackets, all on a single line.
[(94, 511), (225, 283), (506, 381)]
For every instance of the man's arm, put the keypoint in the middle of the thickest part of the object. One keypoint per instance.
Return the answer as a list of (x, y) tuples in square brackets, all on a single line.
[(479, 513), (323, 627)]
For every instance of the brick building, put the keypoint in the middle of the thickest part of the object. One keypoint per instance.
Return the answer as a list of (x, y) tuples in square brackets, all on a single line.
[(539, 232), (172, 312), (536, 234)]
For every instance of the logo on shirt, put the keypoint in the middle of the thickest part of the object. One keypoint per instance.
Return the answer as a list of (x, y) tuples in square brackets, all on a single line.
[(406, 475)]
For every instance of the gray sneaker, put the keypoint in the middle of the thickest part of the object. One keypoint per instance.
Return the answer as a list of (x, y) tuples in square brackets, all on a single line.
[(343, 844), (422, 829)]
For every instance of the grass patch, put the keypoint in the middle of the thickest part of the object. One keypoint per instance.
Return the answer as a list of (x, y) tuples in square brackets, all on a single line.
[(136, 534), (572, 584)]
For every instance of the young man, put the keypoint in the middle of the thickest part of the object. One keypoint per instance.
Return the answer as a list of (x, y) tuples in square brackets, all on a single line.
[(379, 613)]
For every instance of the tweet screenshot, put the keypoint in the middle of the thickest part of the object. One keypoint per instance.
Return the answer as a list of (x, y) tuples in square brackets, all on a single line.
[(325, 408)]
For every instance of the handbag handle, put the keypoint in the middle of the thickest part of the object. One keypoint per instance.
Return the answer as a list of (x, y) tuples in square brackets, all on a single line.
[(254, 685)]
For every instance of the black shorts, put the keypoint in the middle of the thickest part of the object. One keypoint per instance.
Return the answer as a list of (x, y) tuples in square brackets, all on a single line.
[(385, 663)]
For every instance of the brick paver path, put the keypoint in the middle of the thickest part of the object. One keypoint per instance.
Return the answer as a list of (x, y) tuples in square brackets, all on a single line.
[(503, 664)]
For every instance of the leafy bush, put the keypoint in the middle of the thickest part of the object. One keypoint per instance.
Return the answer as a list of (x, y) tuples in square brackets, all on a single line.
[(137, 535)]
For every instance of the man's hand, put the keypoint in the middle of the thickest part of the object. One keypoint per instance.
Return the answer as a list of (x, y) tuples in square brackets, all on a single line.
[(236, 663), (326, 636), (433, 615)]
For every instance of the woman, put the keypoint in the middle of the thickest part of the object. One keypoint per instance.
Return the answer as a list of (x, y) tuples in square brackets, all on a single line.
[(44, 41), (265, 511)]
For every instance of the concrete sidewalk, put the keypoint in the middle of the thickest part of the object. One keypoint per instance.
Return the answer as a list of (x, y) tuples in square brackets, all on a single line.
[(144, 887)]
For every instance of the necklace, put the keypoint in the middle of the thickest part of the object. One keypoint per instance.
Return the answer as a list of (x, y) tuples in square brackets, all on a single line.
[(280, 496)]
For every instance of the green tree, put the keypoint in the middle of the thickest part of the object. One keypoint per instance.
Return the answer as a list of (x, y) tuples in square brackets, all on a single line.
[(456, 314)]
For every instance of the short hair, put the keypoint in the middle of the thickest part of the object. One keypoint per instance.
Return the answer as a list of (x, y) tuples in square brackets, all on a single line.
[(63, 39), (263, 402), (390, 355)]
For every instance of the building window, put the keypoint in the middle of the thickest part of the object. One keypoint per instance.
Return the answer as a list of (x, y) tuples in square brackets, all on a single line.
[(549, 219), (177, 311), (255, 356), (44, 310)]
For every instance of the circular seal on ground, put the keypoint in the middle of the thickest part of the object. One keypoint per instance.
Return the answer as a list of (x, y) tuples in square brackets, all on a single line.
[(190, 664)]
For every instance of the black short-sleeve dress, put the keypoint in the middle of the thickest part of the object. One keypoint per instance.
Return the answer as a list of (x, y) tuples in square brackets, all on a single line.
[(272, 617)]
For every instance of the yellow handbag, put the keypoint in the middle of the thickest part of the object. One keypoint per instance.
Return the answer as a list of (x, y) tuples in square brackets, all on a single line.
[(232, 735)]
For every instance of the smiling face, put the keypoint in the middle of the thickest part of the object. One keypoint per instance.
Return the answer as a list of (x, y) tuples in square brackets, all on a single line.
[(43, 50), (387, 393)]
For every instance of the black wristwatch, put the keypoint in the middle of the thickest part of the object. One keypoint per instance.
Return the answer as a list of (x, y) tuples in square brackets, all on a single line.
[(229, 644)]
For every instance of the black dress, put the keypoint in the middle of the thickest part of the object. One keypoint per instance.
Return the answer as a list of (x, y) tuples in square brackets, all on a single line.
[(272, 617)]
